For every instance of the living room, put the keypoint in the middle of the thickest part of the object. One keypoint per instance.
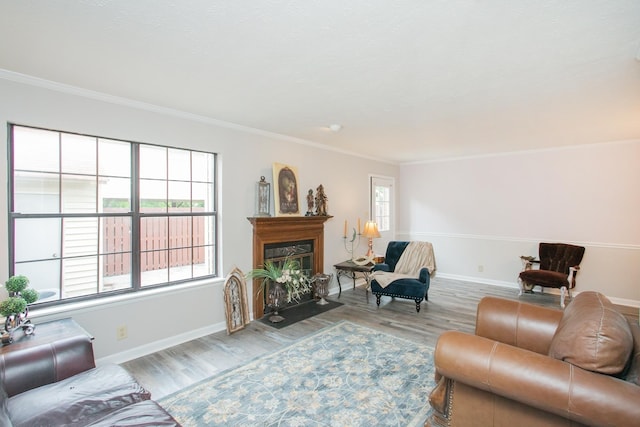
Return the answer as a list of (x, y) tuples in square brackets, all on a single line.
[(482, 206)]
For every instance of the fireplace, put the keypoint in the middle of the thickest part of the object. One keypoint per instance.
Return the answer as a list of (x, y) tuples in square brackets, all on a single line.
[(274, 237), (300, 251)]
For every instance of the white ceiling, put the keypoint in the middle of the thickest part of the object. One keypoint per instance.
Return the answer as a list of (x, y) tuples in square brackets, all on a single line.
[(408, 80)]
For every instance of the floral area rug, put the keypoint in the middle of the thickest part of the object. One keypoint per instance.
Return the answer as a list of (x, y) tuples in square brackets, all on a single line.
[(343, 375)]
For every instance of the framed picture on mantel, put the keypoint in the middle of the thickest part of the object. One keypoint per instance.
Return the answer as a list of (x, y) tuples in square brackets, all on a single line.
[(285, 179)]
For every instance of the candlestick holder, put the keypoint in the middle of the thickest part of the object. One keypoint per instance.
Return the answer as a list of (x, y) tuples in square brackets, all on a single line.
[(351, 245)]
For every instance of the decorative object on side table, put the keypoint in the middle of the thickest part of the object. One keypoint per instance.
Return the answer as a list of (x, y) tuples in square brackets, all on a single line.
[(263, 197), (354, 241), (371, 232), (283, 282), (16, 307)]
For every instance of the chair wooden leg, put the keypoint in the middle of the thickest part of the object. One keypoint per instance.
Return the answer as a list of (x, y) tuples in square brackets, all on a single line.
[(378, 300), (418, 301)]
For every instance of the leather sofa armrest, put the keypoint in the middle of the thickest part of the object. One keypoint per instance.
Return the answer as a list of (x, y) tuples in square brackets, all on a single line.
[(519, 324), (536, 380), (28, 368)]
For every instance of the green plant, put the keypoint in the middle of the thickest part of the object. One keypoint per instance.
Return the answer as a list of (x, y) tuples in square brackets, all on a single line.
[(30, 295), (288, 273), (19, 296), (16, 284), (12, 305)]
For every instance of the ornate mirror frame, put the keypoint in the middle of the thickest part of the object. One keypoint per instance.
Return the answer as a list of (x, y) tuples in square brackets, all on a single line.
[(235, 301)]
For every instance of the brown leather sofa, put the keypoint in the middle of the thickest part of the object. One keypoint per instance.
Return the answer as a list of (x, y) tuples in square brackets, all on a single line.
[(58, 384), (528, 365)]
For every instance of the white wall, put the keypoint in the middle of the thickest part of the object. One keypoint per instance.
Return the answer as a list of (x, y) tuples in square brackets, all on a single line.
[(163, 317), (483, 213)]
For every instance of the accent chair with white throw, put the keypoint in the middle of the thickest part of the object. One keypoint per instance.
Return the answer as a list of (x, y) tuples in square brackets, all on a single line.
[(405, 273)]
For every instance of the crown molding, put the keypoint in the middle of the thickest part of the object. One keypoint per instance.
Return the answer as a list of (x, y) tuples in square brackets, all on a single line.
[(126, 102)]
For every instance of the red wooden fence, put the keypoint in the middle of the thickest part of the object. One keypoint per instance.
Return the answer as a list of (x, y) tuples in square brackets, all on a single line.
[(173, 243)]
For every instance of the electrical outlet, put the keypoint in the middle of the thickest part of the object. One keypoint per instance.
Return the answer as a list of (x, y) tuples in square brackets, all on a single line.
[(121, 332), (480, 268)]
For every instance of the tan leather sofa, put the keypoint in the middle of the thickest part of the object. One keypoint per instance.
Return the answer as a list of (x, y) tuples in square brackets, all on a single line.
[(532, 366)]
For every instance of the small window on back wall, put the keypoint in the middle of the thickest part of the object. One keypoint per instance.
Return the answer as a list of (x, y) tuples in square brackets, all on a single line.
[(382, 202), (91, 216)]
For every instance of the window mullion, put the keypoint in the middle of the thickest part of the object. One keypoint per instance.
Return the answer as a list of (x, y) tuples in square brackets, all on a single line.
[(136, 256)]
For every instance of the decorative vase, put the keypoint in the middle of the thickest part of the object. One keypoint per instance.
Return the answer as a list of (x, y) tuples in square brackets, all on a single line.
[(321, 282), (277, 298)]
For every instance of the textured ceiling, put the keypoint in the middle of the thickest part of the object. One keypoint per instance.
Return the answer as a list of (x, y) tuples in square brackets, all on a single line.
[(408, 80)]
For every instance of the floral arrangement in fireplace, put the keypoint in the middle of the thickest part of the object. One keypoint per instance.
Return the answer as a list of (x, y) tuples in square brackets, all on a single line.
[(287, 273)]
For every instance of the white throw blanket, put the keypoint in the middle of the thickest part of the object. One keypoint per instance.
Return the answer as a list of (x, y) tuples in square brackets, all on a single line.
[(416, 256)]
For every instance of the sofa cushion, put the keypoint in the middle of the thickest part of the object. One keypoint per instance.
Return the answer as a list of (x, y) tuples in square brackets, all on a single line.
[(593, 335), (147, 413), (78, 400), (546, 278), (5, 421)]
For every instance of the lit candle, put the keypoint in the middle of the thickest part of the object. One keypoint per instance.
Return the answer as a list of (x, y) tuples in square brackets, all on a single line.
[(345, 229), (359, 226)]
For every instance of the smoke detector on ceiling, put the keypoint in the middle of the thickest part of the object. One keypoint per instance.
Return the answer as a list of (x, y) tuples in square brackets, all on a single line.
[(335, 127)]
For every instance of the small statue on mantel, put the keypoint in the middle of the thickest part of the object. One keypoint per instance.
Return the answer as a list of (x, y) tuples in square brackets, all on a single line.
[(309, 203), (321, 201)]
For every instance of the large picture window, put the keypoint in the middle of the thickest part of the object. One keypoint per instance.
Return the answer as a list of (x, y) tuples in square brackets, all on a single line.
[(92, 216)]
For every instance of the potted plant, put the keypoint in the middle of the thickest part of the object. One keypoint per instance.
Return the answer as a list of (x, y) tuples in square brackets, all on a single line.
[(286, 282), (16, 307)]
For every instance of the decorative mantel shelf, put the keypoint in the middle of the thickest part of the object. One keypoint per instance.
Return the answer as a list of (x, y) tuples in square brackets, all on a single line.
[(270, 230)]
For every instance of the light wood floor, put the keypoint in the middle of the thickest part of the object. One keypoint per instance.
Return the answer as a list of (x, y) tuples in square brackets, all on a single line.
[(452, 305)]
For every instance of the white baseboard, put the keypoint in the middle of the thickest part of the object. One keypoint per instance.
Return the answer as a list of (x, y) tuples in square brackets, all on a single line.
[(155, 346), (482, 280), (615, 300), (159, 345)]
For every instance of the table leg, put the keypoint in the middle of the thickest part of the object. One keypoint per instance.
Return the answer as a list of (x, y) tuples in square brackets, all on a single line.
[(367, 278), (338, 274)]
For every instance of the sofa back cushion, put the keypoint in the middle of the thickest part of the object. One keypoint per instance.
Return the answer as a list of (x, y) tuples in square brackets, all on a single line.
[(394, 251), (5, 421), (593, 335)]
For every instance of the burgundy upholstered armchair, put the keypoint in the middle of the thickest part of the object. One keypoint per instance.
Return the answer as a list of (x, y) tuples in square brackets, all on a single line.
[(559, 263)]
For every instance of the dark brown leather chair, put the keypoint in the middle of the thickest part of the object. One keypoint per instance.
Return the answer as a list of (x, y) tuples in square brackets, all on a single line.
[(559, 263)]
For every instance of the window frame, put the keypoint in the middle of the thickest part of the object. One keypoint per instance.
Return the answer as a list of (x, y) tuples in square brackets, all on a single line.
[(134, 213), (375, 207)]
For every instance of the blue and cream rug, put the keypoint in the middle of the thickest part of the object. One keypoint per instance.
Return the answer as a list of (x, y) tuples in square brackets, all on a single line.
[(345, 375)]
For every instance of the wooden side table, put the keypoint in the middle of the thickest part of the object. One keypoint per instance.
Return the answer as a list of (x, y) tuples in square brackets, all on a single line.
[(45, 333), (349, 268)]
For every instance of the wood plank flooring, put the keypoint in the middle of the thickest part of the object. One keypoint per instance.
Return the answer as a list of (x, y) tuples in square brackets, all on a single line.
[(452, 305)]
